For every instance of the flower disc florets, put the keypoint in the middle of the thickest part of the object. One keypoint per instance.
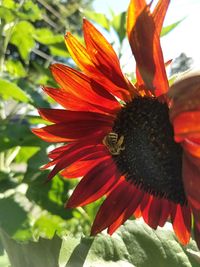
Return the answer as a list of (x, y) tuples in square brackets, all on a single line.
[(151, 159)]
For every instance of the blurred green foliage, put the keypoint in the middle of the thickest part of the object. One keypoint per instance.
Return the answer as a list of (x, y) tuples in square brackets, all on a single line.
[(32, 37)]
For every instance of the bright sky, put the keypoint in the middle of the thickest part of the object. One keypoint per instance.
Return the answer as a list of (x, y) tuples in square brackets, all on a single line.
[(185, 38)]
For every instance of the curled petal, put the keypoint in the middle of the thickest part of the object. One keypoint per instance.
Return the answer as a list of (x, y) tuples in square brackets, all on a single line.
[(187, 125), (191, 174), (145, 44), (185, 95)]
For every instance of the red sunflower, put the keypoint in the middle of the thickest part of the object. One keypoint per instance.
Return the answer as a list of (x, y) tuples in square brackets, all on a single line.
[(137, 144)]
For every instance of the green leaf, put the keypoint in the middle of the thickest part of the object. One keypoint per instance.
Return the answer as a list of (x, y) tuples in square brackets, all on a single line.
[(47, 225), (11, 4), (50, 196), (15, 68), (135, 244), (29, 11), (4, 261), (43, 253), (59, 49), (119, 25), (17, 133), (169, 28), (11, 90), (6, 14), (47, 37), (99, 18), (22, 38), (11, 209)]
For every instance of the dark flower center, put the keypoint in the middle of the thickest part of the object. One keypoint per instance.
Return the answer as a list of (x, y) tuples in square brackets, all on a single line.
[(151, 159)]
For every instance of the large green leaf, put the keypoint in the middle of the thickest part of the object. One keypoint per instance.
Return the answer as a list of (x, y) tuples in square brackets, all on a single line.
[(11, 90), (44, 253), (10, 210), (135, 244)]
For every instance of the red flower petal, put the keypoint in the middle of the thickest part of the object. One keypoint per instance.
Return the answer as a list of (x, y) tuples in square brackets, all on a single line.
[(85, 64), (71, 102), (103, 55), (165, 212), (105, 174), (79, 53), (131, 208), (152, 212), (81, 86), (181, 220), (79, 168), (113, 206), (68, 116), (62, 132), (145, 43), (83, 153), (159, 13)]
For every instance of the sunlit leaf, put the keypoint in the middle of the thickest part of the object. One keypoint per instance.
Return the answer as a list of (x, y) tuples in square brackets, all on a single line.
[(43, 253), (15, 68), (47, 225), (11, 90), (22, 38), (135, 244), (11, 4), (29, 11), (59, 50), (4, 261), (47, 37), (6, 14), (169, 28)]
